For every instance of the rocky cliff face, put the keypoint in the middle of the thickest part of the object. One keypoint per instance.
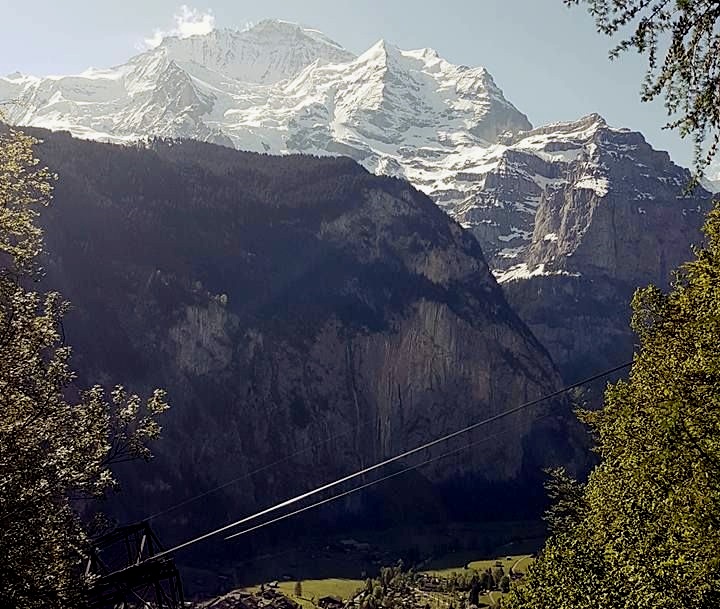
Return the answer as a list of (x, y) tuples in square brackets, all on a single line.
[(577, 216), (291, 306)]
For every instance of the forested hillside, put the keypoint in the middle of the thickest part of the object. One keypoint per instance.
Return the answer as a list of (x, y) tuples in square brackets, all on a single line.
[(287, 303)]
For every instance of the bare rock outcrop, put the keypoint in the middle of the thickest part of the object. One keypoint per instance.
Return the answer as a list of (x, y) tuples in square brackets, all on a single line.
[(574, 218)]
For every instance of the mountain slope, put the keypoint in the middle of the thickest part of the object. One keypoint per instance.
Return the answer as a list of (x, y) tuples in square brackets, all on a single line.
[(282, 88), (284, 301), (539, 202), (574, 218)]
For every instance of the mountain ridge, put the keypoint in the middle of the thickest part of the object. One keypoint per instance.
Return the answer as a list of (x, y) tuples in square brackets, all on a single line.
[(246, 107), (542, 202), (281, 88), (185, 254)]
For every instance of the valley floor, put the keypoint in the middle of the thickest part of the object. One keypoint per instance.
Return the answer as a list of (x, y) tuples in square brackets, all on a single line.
[(445, 558)]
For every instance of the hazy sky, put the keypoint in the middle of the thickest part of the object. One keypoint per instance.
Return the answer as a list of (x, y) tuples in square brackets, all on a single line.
[(546, 57)]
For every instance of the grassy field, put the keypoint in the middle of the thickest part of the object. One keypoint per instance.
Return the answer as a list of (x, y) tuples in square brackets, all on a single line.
[(519, 562), (489, 599), (317, 588), (522, 564)]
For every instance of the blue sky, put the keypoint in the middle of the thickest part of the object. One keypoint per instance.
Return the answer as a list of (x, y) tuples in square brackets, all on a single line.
[(546, 57)]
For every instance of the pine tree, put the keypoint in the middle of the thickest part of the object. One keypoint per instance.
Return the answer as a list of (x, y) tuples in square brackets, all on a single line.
[(474, 596)]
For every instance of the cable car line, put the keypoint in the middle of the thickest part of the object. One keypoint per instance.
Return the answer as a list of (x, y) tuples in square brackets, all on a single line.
[(425, 446), (261, 469), (373, 483)]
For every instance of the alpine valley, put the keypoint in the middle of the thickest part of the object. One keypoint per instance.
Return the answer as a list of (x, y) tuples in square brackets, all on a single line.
[(571, 216), (341, 310)]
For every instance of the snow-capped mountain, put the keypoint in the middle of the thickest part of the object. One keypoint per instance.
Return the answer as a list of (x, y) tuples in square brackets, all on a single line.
[(186, 87), (712, 177), (265, 54), (575, 217), (565, 166), (279, 87)]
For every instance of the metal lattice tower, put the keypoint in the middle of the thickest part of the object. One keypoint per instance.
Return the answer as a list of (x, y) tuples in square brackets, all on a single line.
[(125, 575)]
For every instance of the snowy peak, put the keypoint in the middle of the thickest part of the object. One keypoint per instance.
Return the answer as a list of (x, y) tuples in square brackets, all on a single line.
[(381, 54), (581, 129), (416, 98), (279, 87), (266, 53), (384, 56), (712, 186), (275, 29), (540, 201), (16, 76)]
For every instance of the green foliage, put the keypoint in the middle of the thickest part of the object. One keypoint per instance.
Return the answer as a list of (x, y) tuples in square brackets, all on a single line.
[(566, 496), (681, 39), (486, 580), (645, 530), (23, 186), (497, 574), (56, 443)]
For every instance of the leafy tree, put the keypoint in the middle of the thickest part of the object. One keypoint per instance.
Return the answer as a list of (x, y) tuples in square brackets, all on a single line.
[(566, 496), (56, 443), (681, 39), (378, 592), (645, 530)]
